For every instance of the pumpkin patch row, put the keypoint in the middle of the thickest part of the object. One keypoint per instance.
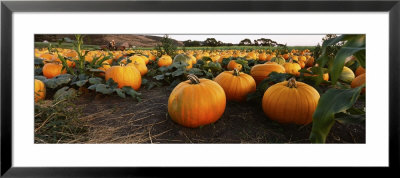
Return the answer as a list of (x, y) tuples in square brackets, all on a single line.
[(200, 101)]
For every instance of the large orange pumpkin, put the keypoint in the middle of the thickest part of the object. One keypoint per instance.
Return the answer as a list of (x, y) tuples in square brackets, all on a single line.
[(51, 70), (196, 102), (125, 76), (358, 81), (40, 90), (261, 71), (237, 85), (290, 102)]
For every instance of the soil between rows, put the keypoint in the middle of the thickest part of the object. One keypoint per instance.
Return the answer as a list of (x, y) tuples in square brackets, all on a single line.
[(112, 119)]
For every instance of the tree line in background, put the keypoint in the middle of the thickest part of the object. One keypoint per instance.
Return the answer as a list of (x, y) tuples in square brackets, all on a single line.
[(245, 42)]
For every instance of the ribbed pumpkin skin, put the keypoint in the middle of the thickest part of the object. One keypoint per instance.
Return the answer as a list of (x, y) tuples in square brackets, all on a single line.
[(260, 71), (358, 81), (40, 90), (194, 105), (51, 70), (290, 105), (142, 68), (125, 76), (236, 87)]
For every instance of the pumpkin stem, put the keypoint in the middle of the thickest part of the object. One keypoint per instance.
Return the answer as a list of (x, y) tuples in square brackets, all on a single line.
[(292, 83), (236, 72), (193, 79)]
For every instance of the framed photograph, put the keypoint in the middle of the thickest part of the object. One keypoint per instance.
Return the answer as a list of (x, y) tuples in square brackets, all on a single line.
[(113, 88)]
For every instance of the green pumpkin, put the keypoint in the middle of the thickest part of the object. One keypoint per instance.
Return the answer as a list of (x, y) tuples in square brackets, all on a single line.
[(183, 59), (278, 60), (347, 75)]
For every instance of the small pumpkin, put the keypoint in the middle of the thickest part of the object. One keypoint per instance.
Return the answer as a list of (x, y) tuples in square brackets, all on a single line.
[(262, 57), (310, 62), (125, 76), (40, 90), (237, 85), (196, 102), (347, 75), (292, 68), (279, 60), (51, 70), (358, 81), (233, 65), (290, 102), (261, 71), (183, 59), (164, 60)]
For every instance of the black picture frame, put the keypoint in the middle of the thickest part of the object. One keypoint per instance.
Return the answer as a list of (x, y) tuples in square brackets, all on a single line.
[(8, 7)]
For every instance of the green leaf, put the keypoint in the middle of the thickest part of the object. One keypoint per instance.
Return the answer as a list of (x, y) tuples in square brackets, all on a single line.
[(346, 118), (360, 56), (65, 93), (95, 80), (41, 78), (349, 48), (92, 87), (105, 89), (159, 77), (163, 69), (120, 93), (178, 72), (331, 102), (132, 92), (195, 71), (111, 83), (81, 82)]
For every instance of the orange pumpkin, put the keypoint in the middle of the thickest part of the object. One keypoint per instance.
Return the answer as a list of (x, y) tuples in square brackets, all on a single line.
[(262, 56), (261, 71), (40, 90), (360, 70), (292, 68), (196, 102), (358, 81), (104, 68), (290, 102), (51, 70), (142, 68), (237, 85), (310, 62), (164, 60), (125, 76), (233, 65)]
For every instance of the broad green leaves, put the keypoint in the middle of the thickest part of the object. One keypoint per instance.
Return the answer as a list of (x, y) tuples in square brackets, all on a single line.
[(333, 101), (110, 86), (354, 45)]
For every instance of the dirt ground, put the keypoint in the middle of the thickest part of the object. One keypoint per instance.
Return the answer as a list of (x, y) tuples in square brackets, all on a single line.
[(112, 119)]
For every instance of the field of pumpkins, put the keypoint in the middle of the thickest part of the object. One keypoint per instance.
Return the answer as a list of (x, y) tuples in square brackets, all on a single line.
[(201, 95)]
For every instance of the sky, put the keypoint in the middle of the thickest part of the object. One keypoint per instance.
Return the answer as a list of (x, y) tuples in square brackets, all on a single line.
[(290, 40)]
